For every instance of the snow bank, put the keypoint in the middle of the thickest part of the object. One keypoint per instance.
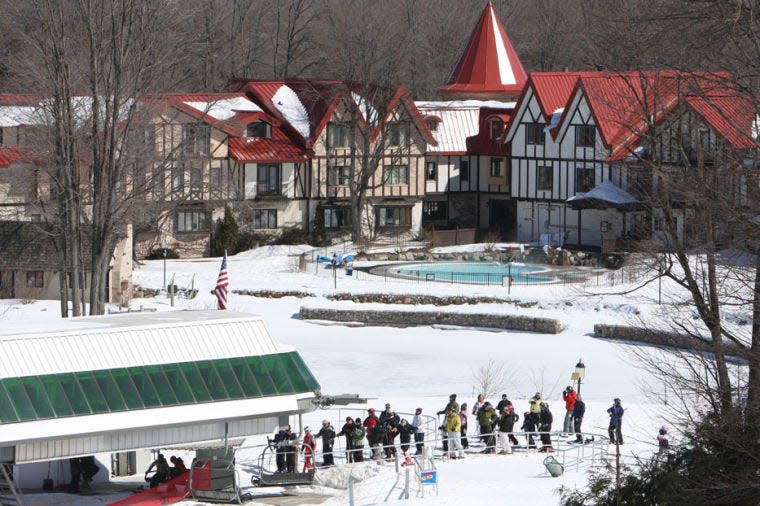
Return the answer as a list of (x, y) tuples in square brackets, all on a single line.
[(337, 477)]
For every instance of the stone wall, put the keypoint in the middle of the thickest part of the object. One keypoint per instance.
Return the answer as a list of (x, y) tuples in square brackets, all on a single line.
[(409, 318), (655, 337)]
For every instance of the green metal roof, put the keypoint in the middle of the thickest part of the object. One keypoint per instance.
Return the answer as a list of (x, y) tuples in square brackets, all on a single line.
[(178, 384)]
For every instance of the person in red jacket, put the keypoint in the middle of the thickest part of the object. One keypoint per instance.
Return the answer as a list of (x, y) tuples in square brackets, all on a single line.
[(308, 448), (569, 397), (370, 424)]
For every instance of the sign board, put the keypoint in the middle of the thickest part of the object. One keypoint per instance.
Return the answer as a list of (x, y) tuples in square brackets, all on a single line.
[(574, 376), (429, 477)]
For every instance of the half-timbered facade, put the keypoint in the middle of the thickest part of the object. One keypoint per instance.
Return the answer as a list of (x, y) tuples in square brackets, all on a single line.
[(573, 132)]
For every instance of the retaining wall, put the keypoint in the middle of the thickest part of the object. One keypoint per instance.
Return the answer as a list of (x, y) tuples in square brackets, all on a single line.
[(408, 318)]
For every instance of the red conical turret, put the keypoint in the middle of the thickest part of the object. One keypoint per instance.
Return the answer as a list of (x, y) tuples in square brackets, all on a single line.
[(489, 66)]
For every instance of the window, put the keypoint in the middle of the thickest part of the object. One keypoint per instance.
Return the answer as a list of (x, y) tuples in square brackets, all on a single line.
[(157, 182), (397, 134), (268, 179), (215, 177), (535, 134), (431, 171), (338, 175), (396, 174), (193, 221), (149, 140), (196, 179), (336, 217), (35, 279), (434, 211), (259, 129), (394, 217), (264, 218), (1, 136), (464, 170), (545, 178), (584, 179), (196, 139), (496, 167), (585, 136), (178, 179), (338, 135), (497, 128), (432, 124)]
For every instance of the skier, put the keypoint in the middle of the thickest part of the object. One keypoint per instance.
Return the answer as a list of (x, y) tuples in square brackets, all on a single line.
[(371, 426), (616, 422), (506, 426), (486, 418), (569, 396), (327, 433), (419, 435), (405, 430), (578, 411), (454, 434), (545, 426), (357, 441), (389, 421), (535, 408), (463, 418), (346, 431), (308, 448), (476, 407), (528, 426)]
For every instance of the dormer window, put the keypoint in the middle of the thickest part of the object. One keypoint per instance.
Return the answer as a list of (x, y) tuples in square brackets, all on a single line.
[(432, 123), (259, 129), (497, 128)]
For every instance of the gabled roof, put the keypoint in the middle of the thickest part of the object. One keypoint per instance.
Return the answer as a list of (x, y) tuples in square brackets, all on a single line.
[(276, 149), (489, 63)]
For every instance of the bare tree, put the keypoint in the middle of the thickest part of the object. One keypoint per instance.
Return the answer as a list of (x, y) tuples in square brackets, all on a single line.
[(493, 377)]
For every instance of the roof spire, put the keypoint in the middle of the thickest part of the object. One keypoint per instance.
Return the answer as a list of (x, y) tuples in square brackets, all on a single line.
[(489, 66)]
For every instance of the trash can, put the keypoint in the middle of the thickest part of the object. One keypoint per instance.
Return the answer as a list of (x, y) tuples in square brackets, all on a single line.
[(554, 467)]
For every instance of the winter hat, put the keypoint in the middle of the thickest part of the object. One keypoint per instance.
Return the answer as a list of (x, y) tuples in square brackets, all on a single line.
[(325, 422), (358, 421), (307, 429), (538, 395), (418, 410), (616, 400), (464, 405), (349, 419)]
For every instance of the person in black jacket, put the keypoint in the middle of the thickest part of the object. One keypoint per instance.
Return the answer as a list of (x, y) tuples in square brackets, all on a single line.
[(502, 403), (506, 424), (389, 422), (405, 430), (327, 433), (545, 425), (578, 411), (346, 431)]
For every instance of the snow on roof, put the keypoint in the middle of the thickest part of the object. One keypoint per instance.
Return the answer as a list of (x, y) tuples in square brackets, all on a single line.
[(556, 115), (225, 108), (453, 129), (289, 105), (606, 192), (15, 115), (463, 104), (364, 106), (104, 342)]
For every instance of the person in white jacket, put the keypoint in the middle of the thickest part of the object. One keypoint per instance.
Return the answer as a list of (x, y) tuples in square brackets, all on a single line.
[(419, 434)]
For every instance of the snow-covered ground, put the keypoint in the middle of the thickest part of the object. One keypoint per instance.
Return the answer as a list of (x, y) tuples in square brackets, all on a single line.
[(420, 366)]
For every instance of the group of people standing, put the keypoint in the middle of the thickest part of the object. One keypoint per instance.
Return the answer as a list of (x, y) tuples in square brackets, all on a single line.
[(495, 424)]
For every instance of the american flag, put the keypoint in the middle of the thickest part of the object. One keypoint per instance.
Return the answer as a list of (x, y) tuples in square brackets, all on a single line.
[(222, 282)]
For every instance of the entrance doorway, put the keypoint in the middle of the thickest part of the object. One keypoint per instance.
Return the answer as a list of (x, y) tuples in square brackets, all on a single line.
[(502, 218)]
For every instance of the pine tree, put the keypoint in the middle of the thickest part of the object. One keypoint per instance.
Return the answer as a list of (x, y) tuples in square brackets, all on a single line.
[(226, 237)]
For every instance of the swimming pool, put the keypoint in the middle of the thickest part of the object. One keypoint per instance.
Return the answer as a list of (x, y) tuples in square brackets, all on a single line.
[(485, 273)]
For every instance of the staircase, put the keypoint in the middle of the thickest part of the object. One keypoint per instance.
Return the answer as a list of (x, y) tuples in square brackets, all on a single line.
[(6, 485)]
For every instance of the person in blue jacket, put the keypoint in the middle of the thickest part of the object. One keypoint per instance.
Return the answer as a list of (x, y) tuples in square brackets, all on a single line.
[(616, 422), (578, 411)]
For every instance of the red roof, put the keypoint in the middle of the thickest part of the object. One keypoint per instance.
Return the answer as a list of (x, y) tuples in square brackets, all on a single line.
[(9, 156), (276, 149), (731, 116), (553, 89), (489, 64)]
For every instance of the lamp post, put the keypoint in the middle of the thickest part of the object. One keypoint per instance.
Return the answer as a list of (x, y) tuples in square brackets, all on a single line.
[(165, 268), (580, 372), (335, 271)]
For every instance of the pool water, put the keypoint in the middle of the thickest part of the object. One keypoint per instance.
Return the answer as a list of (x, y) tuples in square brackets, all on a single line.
[(489, 273)]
